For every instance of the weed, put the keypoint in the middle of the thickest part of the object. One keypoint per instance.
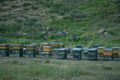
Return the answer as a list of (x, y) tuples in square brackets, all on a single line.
[(47, 60)]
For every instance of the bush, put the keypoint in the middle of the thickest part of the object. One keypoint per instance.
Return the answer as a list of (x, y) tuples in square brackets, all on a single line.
[(47, 60), (9, 27), (29, 22), (3, 40)]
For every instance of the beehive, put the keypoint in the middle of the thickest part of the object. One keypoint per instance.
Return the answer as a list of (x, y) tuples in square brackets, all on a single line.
[(3, 46), (119, 52), (54, 45), (115, 50), (17, 46), (44, 44), (107, 52), (100, 49), (30, 47), (47, 48), (61, 45)]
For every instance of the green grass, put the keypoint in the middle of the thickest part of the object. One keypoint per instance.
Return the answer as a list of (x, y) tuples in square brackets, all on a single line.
[(38, 69), (84, 18)]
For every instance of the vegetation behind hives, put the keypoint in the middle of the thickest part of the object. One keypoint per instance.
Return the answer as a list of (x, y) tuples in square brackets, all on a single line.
[(24, 21)]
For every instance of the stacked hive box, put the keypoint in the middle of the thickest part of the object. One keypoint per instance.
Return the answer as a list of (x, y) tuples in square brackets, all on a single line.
[(108, 53), (31, 50), (17, 50), (4, 50)]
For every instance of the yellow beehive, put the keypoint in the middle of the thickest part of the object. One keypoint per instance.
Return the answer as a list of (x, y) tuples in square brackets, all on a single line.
[(30, 47), (119, 52), (100, 49), (61, 45), (47, 49), (44, 44), (3, 47), (17, 47), (107, 52), (115, 50), (54, 44)]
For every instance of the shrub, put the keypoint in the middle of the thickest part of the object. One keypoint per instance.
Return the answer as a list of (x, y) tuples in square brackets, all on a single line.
[(9, 27), (47, 60), (3, 40), (30, 21)]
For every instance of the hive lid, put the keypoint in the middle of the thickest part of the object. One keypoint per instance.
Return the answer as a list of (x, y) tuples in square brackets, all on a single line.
[(92, 49), (16, 45), (115, 47), (31, 45), (61, 49), (46, 46), (4, 44), (77, 49), (108, 49), (101, 47), (85, 48), (45, 43)]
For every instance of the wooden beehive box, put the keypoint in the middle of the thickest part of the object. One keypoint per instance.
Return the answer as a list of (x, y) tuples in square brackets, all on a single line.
[(107, 52)]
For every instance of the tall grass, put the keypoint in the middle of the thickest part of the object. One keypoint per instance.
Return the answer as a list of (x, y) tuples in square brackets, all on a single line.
[(37, 69)]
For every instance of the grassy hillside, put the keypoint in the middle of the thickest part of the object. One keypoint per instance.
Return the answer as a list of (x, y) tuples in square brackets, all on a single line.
[(23, 21)]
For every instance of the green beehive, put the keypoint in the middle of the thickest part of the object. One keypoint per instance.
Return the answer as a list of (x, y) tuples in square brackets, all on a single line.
[(62, 53), (47, 51), (37, 47), (37, 50), (17, 50), (77, 53), (31, 50), (4, 50), (92, 54)]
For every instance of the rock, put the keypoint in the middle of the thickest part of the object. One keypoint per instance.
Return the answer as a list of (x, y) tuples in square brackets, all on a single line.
[(49, 29), (104, 32), (22, 33), (61, 33), (107, 34), (44, 32)]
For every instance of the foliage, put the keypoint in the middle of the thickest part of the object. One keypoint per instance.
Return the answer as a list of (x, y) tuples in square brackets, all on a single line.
[(47, 60), (81, 17)]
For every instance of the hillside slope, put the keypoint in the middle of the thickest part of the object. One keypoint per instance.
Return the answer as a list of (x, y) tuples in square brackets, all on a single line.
[(69, 21)]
